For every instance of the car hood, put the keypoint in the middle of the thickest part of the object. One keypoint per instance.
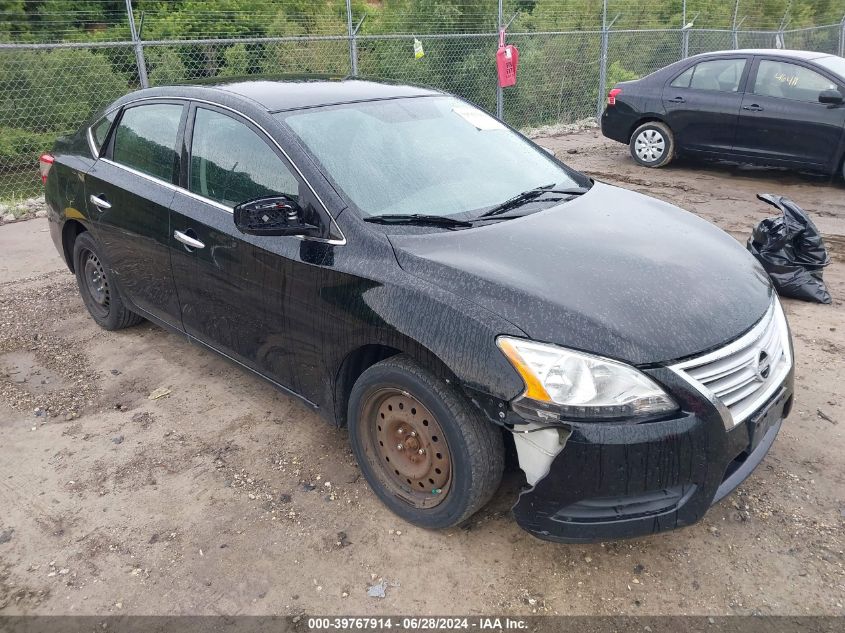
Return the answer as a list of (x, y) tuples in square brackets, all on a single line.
[(612, 272)]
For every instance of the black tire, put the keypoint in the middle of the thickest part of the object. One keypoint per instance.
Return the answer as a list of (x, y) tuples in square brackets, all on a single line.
[(97, 288), (475, 450), (652, 144)]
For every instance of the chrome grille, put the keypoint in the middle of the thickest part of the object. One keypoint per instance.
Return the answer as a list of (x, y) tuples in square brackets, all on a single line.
[(747, 372)]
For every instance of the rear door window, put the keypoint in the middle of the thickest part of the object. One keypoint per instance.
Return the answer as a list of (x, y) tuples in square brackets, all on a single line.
[(722, 75), (146, 137), (231, 163), (790, 81)]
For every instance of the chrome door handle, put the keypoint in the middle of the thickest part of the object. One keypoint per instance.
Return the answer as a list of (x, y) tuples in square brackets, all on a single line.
[(187, 240), (678, 100), (101, 203), (753, 108)]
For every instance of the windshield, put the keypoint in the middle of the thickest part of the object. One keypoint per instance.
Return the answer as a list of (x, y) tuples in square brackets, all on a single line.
[(834, 64), (426, 155)]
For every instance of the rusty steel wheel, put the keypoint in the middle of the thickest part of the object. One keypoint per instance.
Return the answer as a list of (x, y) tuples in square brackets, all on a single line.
[(426, 451), (408, 446)]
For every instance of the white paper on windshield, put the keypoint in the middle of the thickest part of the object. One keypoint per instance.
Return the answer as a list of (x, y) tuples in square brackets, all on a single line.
[(478, 119)]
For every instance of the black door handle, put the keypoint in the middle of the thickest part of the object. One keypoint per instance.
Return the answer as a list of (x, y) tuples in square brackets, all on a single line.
[(752, 108), (678, 100)]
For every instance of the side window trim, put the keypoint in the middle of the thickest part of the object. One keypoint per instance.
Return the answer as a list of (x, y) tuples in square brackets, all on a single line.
[(746, 71), (108, 148)]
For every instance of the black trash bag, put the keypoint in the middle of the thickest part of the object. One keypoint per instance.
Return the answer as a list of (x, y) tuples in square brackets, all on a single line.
[(791, 250)]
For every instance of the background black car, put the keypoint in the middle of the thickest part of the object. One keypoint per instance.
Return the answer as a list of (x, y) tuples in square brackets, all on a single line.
[(775, 107)]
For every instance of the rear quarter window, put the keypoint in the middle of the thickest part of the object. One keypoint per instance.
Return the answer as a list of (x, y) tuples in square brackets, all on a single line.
[(100, 130), (683, 80)]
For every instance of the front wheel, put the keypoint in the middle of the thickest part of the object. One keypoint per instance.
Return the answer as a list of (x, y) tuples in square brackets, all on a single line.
[(653, 144), (426, 453)]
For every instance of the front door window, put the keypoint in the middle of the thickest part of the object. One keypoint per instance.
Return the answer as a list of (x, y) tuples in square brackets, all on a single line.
[(230, 163), (790, 81)]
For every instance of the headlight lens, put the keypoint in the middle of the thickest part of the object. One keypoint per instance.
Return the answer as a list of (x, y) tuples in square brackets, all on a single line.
[(576, 385)]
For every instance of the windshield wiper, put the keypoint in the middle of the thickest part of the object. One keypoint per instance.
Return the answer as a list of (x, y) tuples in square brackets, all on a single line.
[(527, 196), (417, 218)]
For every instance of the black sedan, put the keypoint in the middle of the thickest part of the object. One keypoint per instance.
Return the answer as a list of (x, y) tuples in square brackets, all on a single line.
[(771, 107), (414, 270)]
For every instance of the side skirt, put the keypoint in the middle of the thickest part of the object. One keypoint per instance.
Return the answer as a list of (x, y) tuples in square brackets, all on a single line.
[(192, 339)]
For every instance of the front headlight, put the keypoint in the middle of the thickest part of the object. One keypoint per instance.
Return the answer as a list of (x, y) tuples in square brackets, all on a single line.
[(573, 385)]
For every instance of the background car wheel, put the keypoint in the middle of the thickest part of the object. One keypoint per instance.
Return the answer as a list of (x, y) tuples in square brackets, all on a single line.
[(652, 144), (96, 286), (426, 453)]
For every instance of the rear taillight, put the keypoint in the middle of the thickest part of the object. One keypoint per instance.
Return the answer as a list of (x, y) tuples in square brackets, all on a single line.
[(611, 96), (44, 163)]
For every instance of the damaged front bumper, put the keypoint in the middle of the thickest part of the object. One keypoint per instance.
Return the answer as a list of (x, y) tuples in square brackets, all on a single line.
[(603, 481)]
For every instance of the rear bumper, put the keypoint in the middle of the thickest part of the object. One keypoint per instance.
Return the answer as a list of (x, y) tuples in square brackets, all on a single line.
[(56, 236), (616, 123), (623, 481)]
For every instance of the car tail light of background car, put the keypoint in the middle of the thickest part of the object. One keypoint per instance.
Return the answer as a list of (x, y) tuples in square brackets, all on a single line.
[(611, 96), (45, 161)]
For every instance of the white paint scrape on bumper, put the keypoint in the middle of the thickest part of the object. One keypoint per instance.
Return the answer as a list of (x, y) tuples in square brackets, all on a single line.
[(537, 447)]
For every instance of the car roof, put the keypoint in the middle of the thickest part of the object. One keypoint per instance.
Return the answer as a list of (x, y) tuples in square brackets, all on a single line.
[(773, 52), (276, 95)]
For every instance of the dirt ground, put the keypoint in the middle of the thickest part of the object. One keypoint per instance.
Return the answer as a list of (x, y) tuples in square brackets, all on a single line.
[(224, 497)]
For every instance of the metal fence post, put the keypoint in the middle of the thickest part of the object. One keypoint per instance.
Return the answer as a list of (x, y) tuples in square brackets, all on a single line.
[(842, 37), (139, 48), (602, 61), (734, 26), (684, 33), (353, 41), (500, 94), (780, 38)]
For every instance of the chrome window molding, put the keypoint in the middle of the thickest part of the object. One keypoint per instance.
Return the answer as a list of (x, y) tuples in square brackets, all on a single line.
[(769, 333), (92, 145), (222, 207), (169, 185)]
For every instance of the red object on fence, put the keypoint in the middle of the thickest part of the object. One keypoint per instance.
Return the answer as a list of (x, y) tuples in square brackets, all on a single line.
[(45, 161), (507, 60)]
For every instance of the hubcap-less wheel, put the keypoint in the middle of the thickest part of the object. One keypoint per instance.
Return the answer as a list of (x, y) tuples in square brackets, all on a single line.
[(650, 146), (407, 446), (96, 283)]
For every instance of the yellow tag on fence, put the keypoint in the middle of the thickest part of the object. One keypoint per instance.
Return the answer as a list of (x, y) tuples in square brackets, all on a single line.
[(418, 49)]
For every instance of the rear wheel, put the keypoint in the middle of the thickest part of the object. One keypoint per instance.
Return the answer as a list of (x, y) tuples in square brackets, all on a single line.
[(653, 144), (424, 450), (97, 288)]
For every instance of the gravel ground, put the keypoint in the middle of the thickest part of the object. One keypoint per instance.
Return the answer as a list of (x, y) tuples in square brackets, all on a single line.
[(25, 209), (140, 474)]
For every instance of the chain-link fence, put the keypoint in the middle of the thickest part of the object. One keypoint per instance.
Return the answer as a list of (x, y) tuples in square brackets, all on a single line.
[(49, 89)]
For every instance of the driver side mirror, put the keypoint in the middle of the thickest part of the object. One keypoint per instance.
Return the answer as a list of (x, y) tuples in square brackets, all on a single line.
[(270, 216), (831, 97)]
